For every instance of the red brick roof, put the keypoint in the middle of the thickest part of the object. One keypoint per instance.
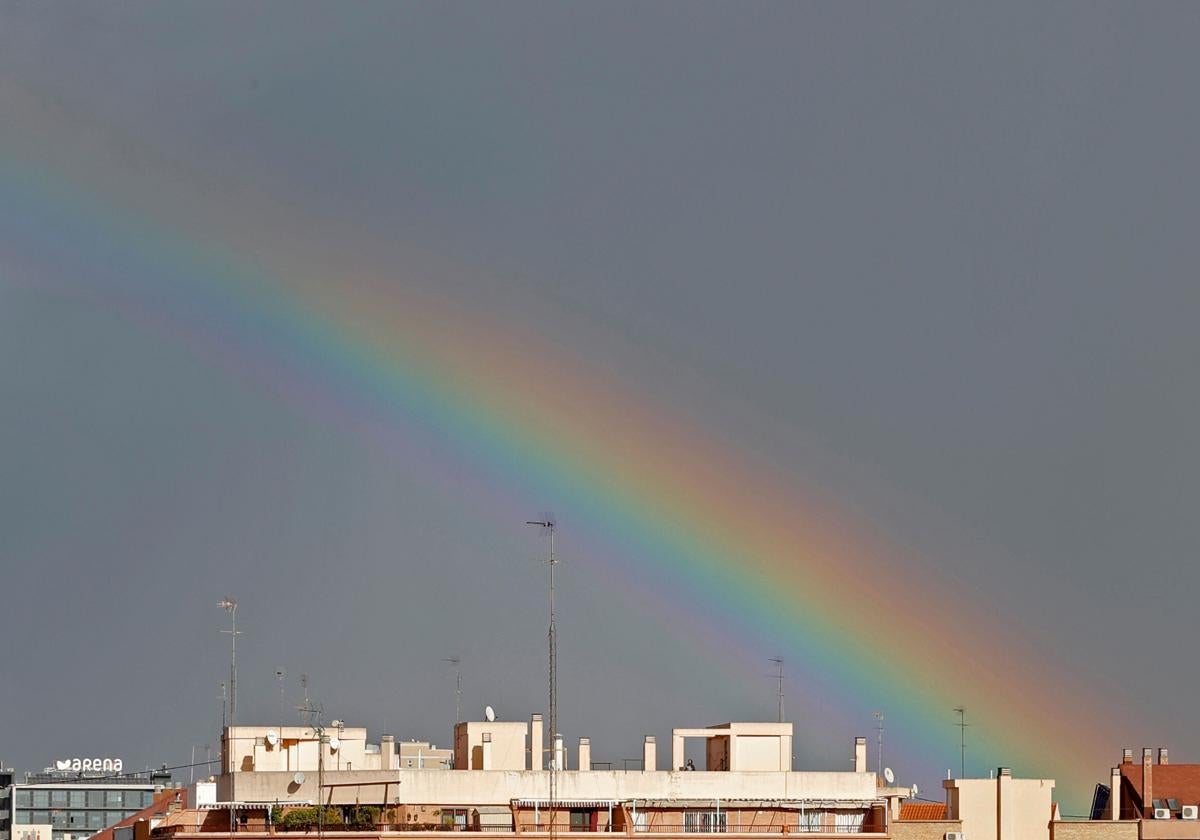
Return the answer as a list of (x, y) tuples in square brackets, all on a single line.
[(922, 810)]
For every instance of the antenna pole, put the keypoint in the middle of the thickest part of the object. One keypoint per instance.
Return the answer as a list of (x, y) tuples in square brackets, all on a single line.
[(279, 677), (879, 746), (230, 606), (778, 660), (547, 524), (962, 740), (314, 715)]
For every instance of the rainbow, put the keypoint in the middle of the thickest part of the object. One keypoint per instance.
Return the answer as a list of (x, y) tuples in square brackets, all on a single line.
[(774, 564)]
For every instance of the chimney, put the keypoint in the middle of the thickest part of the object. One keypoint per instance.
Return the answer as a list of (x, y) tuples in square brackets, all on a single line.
[(1147, 782), (387, 752), (560, 755), (486, 760), (860, 755), (1114, 795), (585, 754), (1004, 804), (649, 754), (535, 743), (1162, 755), (1127, 756)]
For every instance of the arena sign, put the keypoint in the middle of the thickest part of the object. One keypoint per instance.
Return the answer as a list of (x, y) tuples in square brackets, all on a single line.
[(89, 765)]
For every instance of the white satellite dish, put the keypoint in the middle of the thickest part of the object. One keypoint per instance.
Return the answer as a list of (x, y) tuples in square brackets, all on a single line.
[(272, 737), (334, 743), (298, 778), (916, 790), (888, 775), (489, 713)]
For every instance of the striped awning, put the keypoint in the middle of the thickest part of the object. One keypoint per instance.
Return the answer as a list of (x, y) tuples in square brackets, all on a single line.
[(567, 803)]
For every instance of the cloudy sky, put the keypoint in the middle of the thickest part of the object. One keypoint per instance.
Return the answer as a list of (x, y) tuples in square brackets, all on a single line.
[(932, 263)]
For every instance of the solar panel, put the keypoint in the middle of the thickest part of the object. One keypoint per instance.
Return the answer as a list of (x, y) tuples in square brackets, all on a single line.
[(1158, 803), (1173, 804)]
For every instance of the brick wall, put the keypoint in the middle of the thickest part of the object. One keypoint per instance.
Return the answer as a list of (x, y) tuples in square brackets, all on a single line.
[(1094, 830), (923, 829)]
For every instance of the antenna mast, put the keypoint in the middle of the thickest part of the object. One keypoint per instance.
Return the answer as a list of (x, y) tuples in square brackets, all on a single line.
[(879, 747), (547, 524), (223, 725), (230, 606), (962, 740), (313, 714), (778, 660)]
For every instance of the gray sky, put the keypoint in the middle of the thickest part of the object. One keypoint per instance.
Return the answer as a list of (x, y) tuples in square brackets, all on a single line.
[(935, 259)]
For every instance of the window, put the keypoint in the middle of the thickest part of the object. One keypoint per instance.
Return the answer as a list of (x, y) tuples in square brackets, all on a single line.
[(21, 817), (39, 817), (95, 820), (849, 821), (77, 799), (812, 820), (58, 798), (112, 799), (455, 818), (582, 820), (95, 799), (703, 821), (41, 799), (24, 798)]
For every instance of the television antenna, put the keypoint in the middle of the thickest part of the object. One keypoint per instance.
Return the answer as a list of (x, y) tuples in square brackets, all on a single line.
[(879, 742), (962, 740), (280, 674), (230, 606), (304, 686), (778, 660), (457, 663), (313, 715)]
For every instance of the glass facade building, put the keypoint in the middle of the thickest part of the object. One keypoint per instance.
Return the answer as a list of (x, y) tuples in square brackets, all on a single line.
[(77, 808)]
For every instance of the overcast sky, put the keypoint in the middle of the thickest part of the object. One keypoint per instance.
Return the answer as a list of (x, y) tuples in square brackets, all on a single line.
[(938, 260)]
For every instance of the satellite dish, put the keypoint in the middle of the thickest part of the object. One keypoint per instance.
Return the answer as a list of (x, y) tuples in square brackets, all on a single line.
[(916, 790), (298, 778), (334, 743), (888, 775), (489, 713), (272, 737)]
